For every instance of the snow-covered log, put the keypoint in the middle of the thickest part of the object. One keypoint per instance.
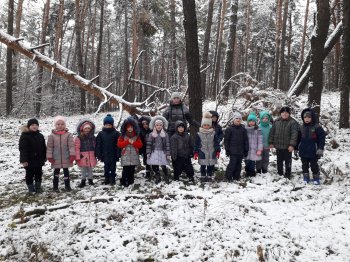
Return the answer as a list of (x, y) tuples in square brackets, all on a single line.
[(303, 75), (56, 68)]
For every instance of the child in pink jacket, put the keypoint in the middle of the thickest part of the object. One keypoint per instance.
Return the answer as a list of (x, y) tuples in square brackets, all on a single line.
[(85, 144)]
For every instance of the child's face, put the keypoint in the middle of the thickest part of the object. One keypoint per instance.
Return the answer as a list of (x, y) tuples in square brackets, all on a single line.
[(251, 123), (130, 128), (284, 115), (206, 126), (176, 100), (180, 129), (108, 126), (60, 126), (34, 127), (237, 121), (214, 118), (159, 126), (86, 130), (265, 119), (145, 124), (307, 120)]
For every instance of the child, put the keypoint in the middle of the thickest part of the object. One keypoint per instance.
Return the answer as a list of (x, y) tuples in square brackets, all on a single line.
[(284, 137), (85, 144), (107, 150), (60, 152), (32, 156), (255, 144), (144, 131), (311, 146), (158, 147), (265, 126), (206, 148), (216, 126), (130, 143), (181, 147), (236, 146)]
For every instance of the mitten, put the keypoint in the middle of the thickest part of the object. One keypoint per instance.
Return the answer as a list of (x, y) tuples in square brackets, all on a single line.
[(217, 154), (51, 160), (195, 156), (319, 153), (25, 164), (71, 159), (258, 153)]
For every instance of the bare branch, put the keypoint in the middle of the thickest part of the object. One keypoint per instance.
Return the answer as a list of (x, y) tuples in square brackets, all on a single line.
[(135, 63)]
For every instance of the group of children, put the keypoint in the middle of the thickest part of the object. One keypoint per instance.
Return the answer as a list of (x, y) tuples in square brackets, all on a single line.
[(148, 137)]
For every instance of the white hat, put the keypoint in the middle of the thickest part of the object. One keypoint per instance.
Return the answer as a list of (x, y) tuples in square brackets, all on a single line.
[(237, 115), (206, 119), (175, 94)]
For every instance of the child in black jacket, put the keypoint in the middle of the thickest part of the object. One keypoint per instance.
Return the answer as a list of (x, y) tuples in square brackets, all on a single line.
[(32, 149), (144, 132)]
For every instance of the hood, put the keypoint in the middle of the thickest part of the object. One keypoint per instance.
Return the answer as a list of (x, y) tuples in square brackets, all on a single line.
[(313, 115), (155, 118), (264, 113), (178, 123), (132, 121), (83, 121), (144, 118)]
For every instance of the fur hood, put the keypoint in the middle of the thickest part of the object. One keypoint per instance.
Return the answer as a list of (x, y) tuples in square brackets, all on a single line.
[(312, 112), (155, 118), (132, 121), (25, 129), (79, 126)]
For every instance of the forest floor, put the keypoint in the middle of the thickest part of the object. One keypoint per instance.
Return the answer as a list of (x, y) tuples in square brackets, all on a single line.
[(180, 221)]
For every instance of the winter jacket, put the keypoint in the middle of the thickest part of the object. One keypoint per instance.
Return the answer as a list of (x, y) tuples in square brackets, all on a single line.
[(106, 145), (32, 148), (158, 149), (181, 144), (206, 145), (311, 137), (144, 133), (284, 133), (265, 128), (217, 127), (85, 147), (236, 140), (130, 152), (60, 145), (178, 112), (255, 143)]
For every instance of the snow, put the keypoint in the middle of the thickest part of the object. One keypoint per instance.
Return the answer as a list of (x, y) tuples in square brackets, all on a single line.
[(178, 221)]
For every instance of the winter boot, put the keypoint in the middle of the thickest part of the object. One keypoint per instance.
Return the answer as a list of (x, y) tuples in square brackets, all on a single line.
[(306, 178), (112, 181), (55, 184), (31, 189), (288, 176), (158, 178), (91, 183), (316, 179), (82, 183), (258, 171), (148, 174), (38, 187), (191, 178), (264, 171), (166, 177), (204, 179), (106, 182), (67, 185)]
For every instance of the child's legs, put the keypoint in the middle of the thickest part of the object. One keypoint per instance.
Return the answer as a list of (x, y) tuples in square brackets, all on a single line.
[(165, 170), (249, 166), (89, 172), (187, 166), (66, 173), (155, 169), (84, 172), (178, 167), (237, 167), (280, 158), (265, 160), (315, 168), (56, 173), (288, 162), (210, 170), (30, 172), (38, 174), (203, 170), (131, 174), (305, 164), (231, 167)]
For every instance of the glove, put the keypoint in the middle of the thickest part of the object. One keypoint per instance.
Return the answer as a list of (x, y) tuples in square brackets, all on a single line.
[(217, 155), (71, 159), (195, 156), (51, 160), (319, 153), (258, 153)]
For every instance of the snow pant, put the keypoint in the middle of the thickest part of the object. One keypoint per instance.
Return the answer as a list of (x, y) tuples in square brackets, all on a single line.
[(207, 171), (34, 174), (284, 156), (86, 172), (56, 174), (263, 164), (109, 172), (148, 167), (128, 174), (250, 167), (310, 162), (233, 171), (155, 169), (183, 164)]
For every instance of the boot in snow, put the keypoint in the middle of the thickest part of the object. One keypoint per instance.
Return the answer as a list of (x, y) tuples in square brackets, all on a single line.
[(91, 183), (82, 183), (31, 189)]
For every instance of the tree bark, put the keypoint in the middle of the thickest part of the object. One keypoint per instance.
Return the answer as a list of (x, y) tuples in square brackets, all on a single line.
[(281, 82), (9, 77), (99, 50), (277, 42), (247, 35), (304, 32), (126, 53), (318, 40), (192, 57), (174, 69), (345, 86)]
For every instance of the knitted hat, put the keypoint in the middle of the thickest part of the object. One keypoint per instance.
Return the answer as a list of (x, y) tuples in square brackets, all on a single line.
[(308, 114), (206, 119), (237, 115), (179, 123), (265, 114), (108, 120), (32, 121), (175, 94), (59, 118), (285, 109), (252, 117)]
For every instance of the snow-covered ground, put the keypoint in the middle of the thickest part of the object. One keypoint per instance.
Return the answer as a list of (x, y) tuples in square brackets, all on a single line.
[(178, 221)]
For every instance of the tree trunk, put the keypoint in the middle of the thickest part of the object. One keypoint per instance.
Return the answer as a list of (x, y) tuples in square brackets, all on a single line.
[(337, 48), (174, 69), (192, 57), (126, 54), (16, 34), (277, 42), (318, 40), (304, 32), (206, 44), (9, 83), (281, 85), (99, 51), (247, 35), (230, 47), (134, 48), (345, 86)]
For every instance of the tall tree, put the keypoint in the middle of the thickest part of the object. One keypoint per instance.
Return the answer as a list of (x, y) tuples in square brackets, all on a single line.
[(277, 42), (281, 81), (206, 44), (9, 78), (304, 32), (99, 48), (126, 53), (318, 40), (230, 45), (345, 86), (192, 58), (174, 70)]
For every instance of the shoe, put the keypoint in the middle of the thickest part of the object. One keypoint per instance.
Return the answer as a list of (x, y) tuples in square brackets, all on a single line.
[(306, 178), (106, 182), (31, 189), (56, 190), (91, 183), (82, 183), (68, 188), (288, 176), (258, 171), (38, 187), (176, 178), (203, 179), (316, 181)]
